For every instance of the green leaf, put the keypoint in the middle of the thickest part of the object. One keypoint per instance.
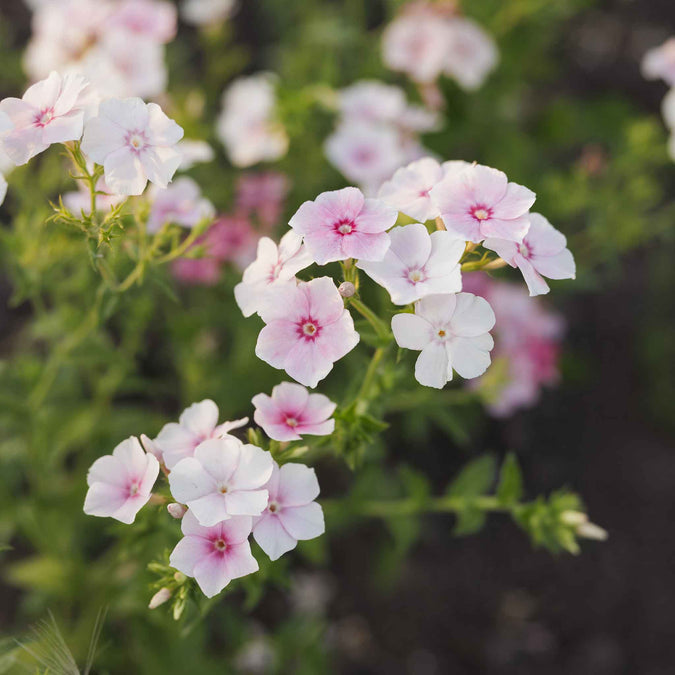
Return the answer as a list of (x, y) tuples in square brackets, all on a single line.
[(475, 479), (510, 486), (469, 521)]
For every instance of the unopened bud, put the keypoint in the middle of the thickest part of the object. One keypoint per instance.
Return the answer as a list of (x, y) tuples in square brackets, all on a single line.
[(177, 511), (347, 289), (592, 531), (159, 598), (180, 577), (573, 518)]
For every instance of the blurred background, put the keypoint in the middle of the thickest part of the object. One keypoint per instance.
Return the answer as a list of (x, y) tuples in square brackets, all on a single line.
[(567, 112)]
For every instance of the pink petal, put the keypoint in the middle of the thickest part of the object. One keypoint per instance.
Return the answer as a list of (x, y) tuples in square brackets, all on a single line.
[(307, 364), (325, 246), (131, 455), (517, 201), (254, 468), (276, 341), (210, 509), (189, 481), (127, 512), (375, 217), (513, 230), (303, 522), (162, 129), (272, 537), (124, 172), (188, 552), (63, 129), (411, 244), (220, 457), (176, 443), (200, 418), (338, 339), (104, 499), (160, 164), (535, 282), (291, 398), (324, 300), (317, 409), (504, 248), (108, 469), (560, 266), (211, 574), (285, 302), (363, 246), (132, 114), (101, 138), (247, 502), (44, 94), (236, 529), (239, 560), (487, 185), (298, 485)]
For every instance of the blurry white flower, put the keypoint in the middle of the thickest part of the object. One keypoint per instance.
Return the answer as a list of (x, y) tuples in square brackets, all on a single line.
[(206, 12), (659, 63), (471, 53), (194, 152)]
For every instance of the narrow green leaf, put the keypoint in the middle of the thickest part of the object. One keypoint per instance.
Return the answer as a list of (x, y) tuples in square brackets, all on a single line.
[(475, 479), (469, 521), (510, 487)]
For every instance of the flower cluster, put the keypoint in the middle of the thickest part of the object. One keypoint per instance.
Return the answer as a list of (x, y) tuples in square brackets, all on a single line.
[(428, 40), (118, 45), (659, 63), (377, 132), (224, 490)]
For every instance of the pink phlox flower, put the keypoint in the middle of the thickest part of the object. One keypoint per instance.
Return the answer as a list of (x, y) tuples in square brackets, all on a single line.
[(51, 111), (181, 204), (471, 53), (197, 423), (262, 195), (418, 264), (215, 555), (273, 265), (659, 63), (152, 19), (542, 253), (292, 411), (308, 329), (223, 478), (451, 331), (344, 224), (120, 484), (292, 515), (478, 202)]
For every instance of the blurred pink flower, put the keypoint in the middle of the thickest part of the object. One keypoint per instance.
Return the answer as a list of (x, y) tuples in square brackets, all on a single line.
[(181, 203), (152, 19), (262, 195), (471, 53), (207, 12), (659, 62)]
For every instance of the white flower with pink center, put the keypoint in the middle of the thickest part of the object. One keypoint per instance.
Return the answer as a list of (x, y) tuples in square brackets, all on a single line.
[(344, 224), (154, 20), (471, 53), (273, 265), (120, 484), (451, 332), (224, 478), (542, 253), (181, 204), (418, 264), (213, 556), (478, 202), (51, 111), (292, 412), (292, 515), (134, 142), (659, 63), (197, 423), (308, 329)]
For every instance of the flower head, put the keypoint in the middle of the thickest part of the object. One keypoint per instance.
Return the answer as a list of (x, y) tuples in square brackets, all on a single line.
[(477, 202), (451, 331), (224, 478), (292, 411), (151, 19), (273, 265), (659, 62), (471, 53), (344, 224), (308, 329), (542, 253), (197, 423), (215, 555), (120, 484), (418, 264), (292, 514), (181, 204), (51, 111), (135, 142)]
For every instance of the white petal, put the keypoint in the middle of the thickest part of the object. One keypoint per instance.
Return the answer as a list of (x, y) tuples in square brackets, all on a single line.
[(189, 481), (200, 418), (303, 522), (298, 485), (272, 537), (411, 331), (431, 367)]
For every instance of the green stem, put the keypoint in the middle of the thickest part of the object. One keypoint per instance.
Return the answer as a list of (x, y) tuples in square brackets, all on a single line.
[(378, 325), (369, 377)]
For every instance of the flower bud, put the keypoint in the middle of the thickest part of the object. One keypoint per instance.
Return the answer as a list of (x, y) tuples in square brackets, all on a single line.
[(159, 598), (176, 511), (592, 531), (180, 577), (573, 518), (347, 289)]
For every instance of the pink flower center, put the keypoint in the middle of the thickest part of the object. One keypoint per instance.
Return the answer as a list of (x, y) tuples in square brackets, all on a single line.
[(480, 212), (133, 489), (308, 329), (220, 544), (364, 155), (44, 117), (136, 141), (292, 422), (345, 227), (423, 193), (275, 271), (415, 276), (524, 250)]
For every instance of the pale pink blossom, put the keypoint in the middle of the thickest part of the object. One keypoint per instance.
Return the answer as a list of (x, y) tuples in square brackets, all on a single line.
[(418, 264), (152, 19), (51, 111), (204, 271), (216, 555), (292, 514), (196, 424), (207, 12), (194, 152), (120, 484), (248, 126), (273, 265), (542, 253), (471, 53), (135, 142), (372, 101), (344, 224), (307, 330), (659, 63), (477, 202), (292, 412), (3, 189), (262, 195), (181, 204), (452, 333), (223, 478)]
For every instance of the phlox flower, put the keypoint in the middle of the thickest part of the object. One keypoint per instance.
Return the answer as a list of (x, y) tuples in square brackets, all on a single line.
[(451, 331), (51, 111), (307, 330), (344, 224), (248, 126), (181, 204), (471, 53), (292, 412), (120, 484), (273, 265), (262, 195), (197, 423), (372, 101), (292, 514), (542, 253), (477, 202), (194, 152), (206, 12), (152, 19), (224, 478), (659, 63), (418, 264), (215, 555), (135, 142)]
